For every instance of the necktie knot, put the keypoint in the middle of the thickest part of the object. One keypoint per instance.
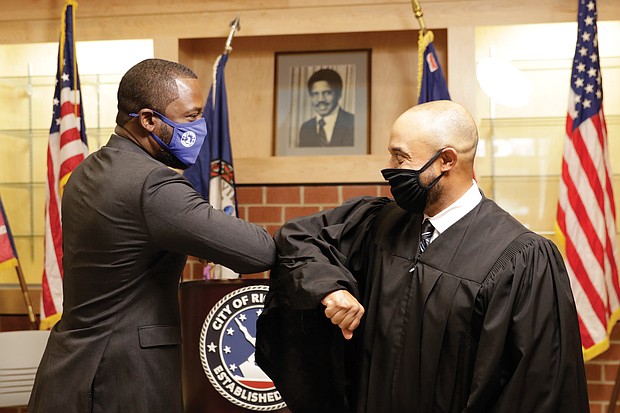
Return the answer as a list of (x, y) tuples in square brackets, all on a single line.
[(426, 234)]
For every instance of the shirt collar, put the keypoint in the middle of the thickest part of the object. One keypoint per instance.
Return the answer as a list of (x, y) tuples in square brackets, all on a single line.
[(330, 120), (446, 218)]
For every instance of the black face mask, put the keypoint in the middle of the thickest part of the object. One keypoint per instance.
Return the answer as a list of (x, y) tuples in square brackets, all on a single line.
[(409, 193)]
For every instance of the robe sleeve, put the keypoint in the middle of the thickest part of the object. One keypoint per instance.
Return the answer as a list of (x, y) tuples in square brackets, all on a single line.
[(321, 253), (530, 357), (296, 345)]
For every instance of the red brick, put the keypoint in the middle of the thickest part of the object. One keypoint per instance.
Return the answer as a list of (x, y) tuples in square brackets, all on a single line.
[(257, 275), (283, 195), (594, 371), (329, 206), (193, 269), (597, 408), (612, 354), (350, 191), (294, 212), (272, 229), (610, 371), (599, 392), (265, 214), (242, 212), (384, 190), (321, 195), (249, 195)]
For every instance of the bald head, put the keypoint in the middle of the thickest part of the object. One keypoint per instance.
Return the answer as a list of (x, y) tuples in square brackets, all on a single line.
[(436, 125)]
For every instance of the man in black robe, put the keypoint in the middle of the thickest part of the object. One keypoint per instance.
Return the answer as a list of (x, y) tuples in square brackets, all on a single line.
[(482, 319)]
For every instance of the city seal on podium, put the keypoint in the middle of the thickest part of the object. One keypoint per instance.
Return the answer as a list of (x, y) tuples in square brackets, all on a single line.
[(227, 348)]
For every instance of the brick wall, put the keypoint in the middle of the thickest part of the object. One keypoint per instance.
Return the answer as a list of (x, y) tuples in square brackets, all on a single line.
[(270, 206)]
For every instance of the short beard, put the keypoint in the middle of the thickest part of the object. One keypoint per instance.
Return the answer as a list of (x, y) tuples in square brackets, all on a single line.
[(434, 194), (164, 155)]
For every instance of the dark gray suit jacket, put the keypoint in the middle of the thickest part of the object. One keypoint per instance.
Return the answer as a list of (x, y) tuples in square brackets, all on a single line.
[(344, 133), (129, 223)]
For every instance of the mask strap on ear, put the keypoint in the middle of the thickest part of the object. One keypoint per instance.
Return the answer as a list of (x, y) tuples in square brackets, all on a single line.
[(432, 184)]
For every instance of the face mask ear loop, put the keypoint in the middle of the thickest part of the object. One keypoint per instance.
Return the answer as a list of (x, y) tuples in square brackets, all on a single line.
[(425, 167), (432, 184)]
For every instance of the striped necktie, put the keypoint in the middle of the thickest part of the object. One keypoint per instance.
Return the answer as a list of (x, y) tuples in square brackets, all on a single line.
[(426, 234)]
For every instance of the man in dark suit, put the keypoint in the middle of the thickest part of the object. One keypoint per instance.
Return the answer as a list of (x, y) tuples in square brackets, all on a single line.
[(332, 125), (129, 222)]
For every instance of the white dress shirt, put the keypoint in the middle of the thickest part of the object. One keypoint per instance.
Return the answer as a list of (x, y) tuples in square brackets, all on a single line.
[(330, 123), (443, 220)]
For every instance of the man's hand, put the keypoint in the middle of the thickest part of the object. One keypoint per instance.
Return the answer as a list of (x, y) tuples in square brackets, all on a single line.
[(344, 311)]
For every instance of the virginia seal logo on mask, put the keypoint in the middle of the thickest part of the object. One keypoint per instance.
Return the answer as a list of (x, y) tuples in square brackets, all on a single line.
[(188, 139), (227, 348)]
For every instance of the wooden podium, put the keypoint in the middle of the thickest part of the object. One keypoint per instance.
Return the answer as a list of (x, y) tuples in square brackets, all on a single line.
[(213, 314)]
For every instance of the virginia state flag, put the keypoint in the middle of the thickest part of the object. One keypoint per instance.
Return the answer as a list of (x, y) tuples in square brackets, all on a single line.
[(8, 253), (213, 175), (431, 82)]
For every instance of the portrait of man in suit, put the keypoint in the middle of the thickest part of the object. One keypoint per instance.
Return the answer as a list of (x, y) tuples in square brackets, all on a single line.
[(331, 125)]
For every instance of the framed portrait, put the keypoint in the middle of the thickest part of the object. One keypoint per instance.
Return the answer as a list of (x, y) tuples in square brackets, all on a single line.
[(322, 103)]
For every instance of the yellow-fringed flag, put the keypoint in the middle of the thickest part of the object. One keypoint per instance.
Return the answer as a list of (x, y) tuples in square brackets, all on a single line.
[(213, 174), (67, 147), (431, 81), (586, 214), (8, 253)]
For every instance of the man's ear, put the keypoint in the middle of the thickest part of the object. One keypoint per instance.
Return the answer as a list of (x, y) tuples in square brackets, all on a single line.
[(448, 157), (145, 116)]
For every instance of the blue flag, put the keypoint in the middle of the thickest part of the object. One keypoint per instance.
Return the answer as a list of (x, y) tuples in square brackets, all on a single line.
[(212, 175), (431, 82)]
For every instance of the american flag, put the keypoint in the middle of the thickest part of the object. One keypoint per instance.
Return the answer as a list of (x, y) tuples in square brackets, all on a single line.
[(66, 149), (586, 211)]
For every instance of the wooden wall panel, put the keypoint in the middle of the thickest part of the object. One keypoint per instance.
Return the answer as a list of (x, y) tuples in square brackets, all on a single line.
[(250, 85), (32, 21)]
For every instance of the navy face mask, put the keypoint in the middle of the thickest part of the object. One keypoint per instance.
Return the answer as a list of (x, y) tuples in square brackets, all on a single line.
[(186, 140), (408, 192)]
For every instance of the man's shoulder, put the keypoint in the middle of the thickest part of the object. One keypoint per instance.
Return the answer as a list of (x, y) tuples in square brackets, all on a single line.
[(310, 123), (345, 117), (343, 114)]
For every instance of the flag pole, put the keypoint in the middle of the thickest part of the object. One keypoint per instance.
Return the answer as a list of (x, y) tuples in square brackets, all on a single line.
[(614, 394), (234, 26), (417, 11), (425, 37), (26, 295)]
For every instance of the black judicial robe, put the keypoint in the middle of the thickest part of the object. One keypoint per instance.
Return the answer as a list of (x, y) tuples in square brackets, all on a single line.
[(483, 321)]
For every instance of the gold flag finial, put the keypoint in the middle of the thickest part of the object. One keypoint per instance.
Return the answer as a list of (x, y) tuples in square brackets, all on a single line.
[(417, 11), (234, 26)]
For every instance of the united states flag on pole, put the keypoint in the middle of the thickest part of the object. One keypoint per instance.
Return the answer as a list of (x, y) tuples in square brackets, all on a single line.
[(431, 82), (8, 253), (67, 147), (213, 175), (586, 212)]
